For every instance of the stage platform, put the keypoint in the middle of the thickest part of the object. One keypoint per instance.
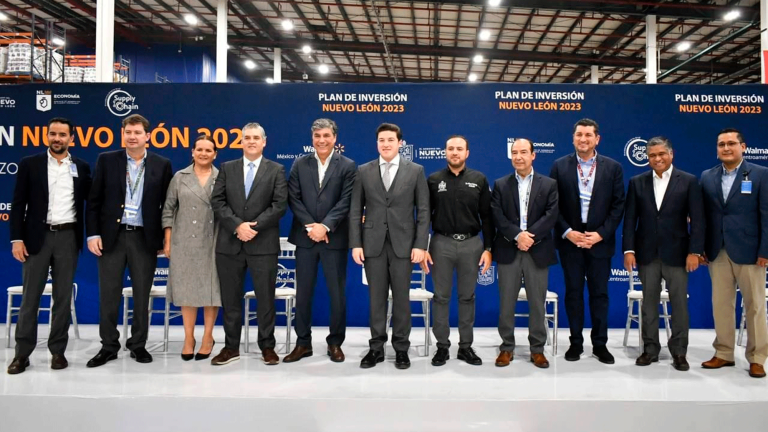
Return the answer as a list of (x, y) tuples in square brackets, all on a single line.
[(318, 395)]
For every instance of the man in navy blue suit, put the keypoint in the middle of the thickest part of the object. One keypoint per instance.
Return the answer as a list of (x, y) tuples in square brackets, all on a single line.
[(591, 192), (736, 246), (319, 192)]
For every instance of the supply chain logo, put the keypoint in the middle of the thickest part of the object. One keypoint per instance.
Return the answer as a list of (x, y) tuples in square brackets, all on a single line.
[(120, 102), (6, 102), (487, 278), (636, 151), (406, 151), (285, 276), (43, 100)]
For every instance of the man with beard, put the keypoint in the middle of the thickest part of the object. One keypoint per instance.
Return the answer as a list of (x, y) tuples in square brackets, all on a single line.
[(460, 200), (47, 217)]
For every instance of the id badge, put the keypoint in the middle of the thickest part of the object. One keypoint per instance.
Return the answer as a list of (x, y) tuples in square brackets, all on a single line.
[(73, 170), (131, 211), (746, 187), (525, 221)]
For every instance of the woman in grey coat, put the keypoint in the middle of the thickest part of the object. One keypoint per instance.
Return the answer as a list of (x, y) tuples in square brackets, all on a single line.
[(190, 238)]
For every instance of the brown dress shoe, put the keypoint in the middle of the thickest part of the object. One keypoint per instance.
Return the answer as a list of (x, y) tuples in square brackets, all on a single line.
[(539, 360), (504, 358), (269, 357), (18, 365), (59, 362), (225, 356), (756, 370), (335, 353), (298, 353), (717, 363)]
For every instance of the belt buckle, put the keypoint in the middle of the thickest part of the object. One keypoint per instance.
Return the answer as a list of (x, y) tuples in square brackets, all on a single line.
[(53, 228), (130, 227), (459, 237)]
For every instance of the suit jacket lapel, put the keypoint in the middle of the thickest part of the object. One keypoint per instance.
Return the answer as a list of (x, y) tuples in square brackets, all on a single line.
[(43, 167), (599, 173), (190, 180), (312, 161), (673, 180), (536, 183), (122, 164), (258, 176), (515, 186), (332, 165), (401, 169)]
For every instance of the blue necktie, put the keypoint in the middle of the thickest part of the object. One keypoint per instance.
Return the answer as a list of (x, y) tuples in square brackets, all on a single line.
[(249, 178)]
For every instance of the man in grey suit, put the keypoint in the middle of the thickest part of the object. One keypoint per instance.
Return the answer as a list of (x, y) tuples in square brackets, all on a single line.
[(319, 191), (249, 198), (389, 240)]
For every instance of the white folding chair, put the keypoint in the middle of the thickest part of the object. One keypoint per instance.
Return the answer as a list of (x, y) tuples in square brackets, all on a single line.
[(419, 294), (158, 291), (635, 296), (285, 289), (12, 311), (549, 317), (743, 323)]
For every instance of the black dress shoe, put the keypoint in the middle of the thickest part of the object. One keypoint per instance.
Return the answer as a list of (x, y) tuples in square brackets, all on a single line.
[(190, 356), (18, 366), (141, 355), (401, 360), (602, 354), (58, 362), (101, 359), (469, 356), (680, 363), (646, 359), (574, 353), (201, 356), (371, 359), (441, 356)]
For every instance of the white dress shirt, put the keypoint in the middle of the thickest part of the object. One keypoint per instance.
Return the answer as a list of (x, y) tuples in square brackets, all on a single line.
[(392, 170), (660, 185), (61, 191), (256, 164), (523, 187), (323, 167)]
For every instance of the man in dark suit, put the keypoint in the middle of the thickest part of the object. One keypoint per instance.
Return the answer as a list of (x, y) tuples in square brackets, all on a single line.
[(591, 192), (319, 191), (524, 209), (249, 198), (389, 240), (124, 228), (656, 240), (47, 231), (736, 246)]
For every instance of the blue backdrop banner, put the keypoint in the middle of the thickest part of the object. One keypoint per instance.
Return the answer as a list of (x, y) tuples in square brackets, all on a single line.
[(491, 116)]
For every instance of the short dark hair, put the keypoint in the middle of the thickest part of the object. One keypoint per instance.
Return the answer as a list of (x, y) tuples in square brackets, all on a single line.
[(62, 120), (204, 137), (389, 127), (732, 130), (587, 122), (458, 136), (529, 143), (660, 140), (135, 119)]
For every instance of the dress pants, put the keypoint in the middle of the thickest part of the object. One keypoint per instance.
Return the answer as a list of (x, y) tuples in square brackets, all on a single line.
[(510, 281), (384, 271), (60, 253), (677, 284), (576, 266), (263, 269), (463, 256), (334, 263), (131, 250), (750, 278)]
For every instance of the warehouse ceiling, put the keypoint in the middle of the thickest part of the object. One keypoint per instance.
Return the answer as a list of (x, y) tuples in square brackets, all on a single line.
[(411, 41)]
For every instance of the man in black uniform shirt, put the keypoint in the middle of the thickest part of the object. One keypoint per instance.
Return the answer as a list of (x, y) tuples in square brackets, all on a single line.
[(460, 200)]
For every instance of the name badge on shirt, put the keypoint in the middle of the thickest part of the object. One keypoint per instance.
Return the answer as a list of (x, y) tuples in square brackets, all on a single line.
[(131, 211), (746, 187), (73, 170)]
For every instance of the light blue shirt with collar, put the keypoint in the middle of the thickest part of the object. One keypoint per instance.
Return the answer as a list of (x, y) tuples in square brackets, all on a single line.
[(129, 218), (585, 191), (728, 178)]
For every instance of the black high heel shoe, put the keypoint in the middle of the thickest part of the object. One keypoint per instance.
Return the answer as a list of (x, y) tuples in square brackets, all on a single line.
[(199, 356), (188, 357)]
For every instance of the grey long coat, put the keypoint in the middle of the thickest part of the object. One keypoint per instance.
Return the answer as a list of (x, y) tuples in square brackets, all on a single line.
[(192, 279)]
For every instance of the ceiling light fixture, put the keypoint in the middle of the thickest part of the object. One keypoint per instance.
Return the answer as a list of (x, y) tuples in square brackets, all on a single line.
[(287, 25), (732, 15), (477, 58), (270, 81), (683, 46), (323, 69), (494, 3), (472, 77), (58, 41), (484, 35), (306, 49), (190, 19), (3, 16), (250, 64)]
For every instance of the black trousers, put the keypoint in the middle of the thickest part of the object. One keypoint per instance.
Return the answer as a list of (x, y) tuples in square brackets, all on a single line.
[(130, 250), (59, 252), (263, 269), (334, 263), (576, 266)]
